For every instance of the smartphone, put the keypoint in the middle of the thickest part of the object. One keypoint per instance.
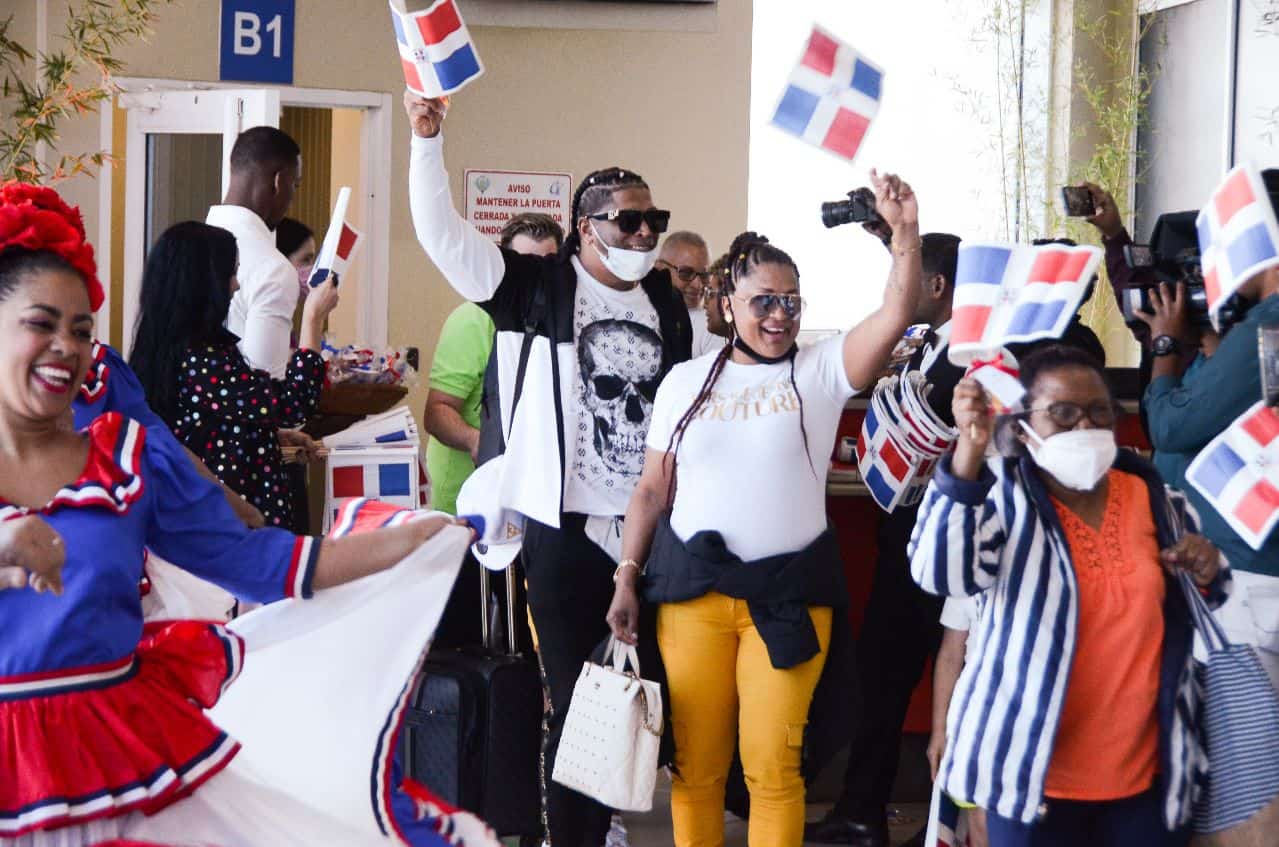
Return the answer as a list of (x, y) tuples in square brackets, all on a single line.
[(1078, 201), (1139, 256), (1268, 350)]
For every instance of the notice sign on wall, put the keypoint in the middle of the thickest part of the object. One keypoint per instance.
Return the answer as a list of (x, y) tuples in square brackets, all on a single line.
[(494, 197)]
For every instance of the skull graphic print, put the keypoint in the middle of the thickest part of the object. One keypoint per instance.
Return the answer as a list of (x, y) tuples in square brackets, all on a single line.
[(620, 366)]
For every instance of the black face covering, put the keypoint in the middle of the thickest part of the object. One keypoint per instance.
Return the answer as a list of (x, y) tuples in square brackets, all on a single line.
[(761, 358)]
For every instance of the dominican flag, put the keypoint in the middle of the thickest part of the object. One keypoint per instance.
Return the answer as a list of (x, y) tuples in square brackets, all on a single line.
[(884, 466), (1238, 473), (436, 51), (1238, 235), (1016, 293), (374, 480), (387, 476), (900, 442), (831, 97), (340, 243)]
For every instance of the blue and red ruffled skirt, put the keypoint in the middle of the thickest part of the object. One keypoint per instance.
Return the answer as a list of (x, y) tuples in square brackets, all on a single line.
[(101, 741)]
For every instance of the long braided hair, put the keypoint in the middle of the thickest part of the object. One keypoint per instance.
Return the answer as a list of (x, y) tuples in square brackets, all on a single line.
[(748, 251), (593, 193)]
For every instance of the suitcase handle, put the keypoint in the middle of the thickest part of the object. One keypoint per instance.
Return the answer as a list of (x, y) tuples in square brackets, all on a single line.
[(486, 623)]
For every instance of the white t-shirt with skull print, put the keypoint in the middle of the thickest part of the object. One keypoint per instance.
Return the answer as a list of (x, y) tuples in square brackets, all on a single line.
[(618, 367)]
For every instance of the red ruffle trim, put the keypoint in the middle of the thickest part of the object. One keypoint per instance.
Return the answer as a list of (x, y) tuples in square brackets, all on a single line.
[(137, 744)]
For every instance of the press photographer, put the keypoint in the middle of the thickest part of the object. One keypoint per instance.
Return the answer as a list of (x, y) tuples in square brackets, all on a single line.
[(1187, 406), (901, 630)]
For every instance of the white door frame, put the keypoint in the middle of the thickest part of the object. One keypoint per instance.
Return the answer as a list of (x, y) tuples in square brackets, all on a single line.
[(165, 111), (375, 180)]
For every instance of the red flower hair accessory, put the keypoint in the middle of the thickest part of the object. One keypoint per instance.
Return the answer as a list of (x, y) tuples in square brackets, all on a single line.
[(35, 217)]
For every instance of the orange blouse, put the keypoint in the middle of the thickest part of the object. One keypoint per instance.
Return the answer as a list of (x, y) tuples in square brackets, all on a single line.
[(1107, 742)]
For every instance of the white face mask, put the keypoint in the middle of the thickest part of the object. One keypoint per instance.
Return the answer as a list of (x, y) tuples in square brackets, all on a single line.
[(629, 265), (1077, 458)]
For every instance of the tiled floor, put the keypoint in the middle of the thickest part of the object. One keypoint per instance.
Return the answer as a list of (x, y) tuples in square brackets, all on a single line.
[(654, 828)]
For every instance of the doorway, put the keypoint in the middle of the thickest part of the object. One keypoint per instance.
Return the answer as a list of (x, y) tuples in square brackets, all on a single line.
[(177, 138)]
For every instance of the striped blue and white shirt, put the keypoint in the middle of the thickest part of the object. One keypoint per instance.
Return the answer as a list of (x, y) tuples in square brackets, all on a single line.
[(1000, 534)]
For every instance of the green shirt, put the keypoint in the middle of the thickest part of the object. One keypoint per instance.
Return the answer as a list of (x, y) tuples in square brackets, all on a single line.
[(458, 370)]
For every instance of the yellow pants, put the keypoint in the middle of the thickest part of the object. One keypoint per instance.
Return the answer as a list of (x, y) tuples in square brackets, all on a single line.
[(722, 686)]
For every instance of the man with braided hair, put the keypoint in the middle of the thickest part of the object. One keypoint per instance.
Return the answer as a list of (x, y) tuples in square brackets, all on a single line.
[(583, 339)]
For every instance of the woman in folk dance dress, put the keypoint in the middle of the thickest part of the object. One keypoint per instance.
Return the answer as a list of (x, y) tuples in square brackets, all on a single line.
[(102, 729)]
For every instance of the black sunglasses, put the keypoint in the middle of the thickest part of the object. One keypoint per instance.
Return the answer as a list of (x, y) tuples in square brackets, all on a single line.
[(610, 387), (629, 220), (761, 305), (685, 273), (1068, 415)]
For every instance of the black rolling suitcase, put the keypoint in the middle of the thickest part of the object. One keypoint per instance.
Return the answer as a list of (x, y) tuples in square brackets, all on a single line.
[(473, 729)]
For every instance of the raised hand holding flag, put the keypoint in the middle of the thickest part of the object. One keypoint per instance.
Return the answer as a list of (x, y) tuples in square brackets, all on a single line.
[(1001, 378), (436, 51)]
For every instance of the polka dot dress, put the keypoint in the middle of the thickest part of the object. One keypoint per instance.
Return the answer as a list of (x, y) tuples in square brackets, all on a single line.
[(229, 414)]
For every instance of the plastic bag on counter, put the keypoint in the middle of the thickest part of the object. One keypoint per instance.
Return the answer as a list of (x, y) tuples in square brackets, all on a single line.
[(365, 366)]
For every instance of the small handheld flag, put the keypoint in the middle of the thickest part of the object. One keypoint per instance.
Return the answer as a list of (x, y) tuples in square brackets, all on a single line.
[(436, 51), (1015, 293), (340, 243), (1238, 235), (831, 97), (1238, 473)]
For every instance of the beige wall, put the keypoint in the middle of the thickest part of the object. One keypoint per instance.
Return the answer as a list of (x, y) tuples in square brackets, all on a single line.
[(672, 105)]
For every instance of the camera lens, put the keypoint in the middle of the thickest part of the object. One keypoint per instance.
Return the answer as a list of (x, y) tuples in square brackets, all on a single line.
[(837, 213)]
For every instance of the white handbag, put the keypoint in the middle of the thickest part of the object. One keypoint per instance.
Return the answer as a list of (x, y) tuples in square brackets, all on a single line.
[(612, 732)]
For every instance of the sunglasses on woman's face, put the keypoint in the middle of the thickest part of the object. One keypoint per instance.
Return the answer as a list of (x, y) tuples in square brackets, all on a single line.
[(685, 273), (762, 305), (629, 220)]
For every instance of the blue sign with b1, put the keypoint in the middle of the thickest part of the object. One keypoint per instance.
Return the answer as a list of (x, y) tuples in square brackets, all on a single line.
[(256, 41)]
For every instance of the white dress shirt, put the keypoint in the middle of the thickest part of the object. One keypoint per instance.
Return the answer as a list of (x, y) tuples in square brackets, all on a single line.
[(262, 310)]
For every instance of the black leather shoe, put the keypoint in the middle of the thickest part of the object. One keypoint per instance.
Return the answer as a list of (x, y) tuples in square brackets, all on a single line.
[(837, 829)]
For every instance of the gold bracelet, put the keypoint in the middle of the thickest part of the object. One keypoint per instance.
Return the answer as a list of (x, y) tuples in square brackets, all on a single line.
[(627, 563), (906, 251)]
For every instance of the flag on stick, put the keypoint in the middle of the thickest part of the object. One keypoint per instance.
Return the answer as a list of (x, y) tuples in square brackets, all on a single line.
[(436, 51), (340, 243), (1016, 293)]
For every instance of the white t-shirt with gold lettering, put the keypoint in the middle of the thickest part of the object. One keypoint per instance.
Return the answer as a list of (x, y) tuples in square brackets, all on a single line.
[(741, 467)]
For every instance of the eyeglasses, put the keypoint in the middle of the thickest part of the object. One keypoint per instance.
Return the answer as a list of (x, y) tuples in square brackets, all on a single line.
[(1068, 415), (685, 273), (629, 220), (762, 305)]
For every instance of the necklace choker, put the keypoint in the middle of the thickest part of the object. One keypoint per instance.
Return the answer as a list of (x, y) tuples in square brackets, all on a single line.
[(739, 344)]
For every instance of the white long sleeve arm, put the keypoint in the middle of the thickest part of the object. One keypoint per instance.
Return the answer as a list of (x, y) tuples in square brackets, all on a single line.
[(471, 263)]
